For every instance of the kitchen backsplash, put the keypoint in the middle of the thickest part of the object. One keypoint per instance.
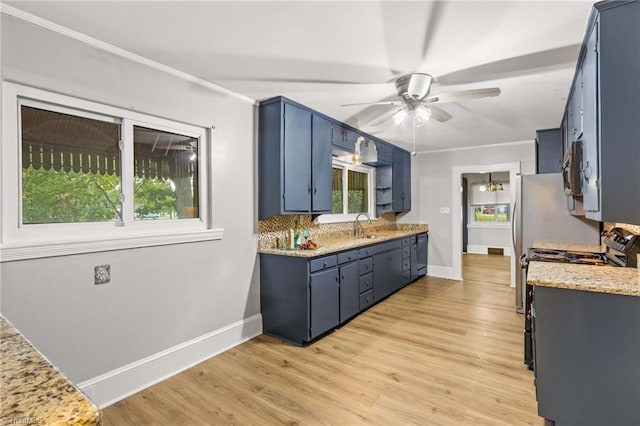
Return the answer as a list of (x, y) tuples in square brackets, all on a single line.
[(271, 228)]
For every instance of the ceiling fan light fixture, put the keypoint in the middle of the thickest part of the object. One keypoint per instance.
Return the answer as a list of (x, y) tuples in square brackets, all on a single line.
[(423, 113), (400, 116), (419, 85)]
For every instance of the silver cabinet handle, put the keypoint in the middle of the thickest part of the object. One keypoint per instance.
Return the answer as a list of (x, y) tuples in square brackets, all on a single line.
[(586, 171)]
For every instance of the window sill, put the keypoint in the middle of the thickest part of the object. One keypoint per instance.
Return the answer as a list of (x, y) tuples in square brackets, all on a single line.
[(489, 225), (13, 252)]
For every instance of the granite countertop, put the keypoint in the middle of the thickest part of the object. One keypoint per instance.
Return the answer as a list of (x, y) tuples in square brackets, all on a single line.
[(596, 278), (32, 391), (590, 248), (338, 244)]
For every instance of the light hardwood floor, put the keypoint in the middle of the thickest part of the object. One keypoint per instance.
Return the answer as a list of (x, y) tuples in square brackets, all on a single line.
[(438, 352)]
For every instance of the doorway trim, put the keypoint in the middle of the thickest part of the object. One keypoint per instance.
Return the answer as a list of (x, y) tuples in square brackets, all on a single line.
[(456, 209)]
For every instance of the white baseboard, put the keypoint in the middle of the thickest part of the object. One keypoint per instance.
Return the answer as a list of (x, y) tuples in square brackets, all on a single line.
[(480, 249), (440, 271), (122, 382)]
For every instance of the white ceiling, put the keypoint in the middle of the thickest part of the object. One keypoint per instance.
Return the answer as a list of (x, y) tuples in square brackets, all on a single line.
[(327, 53)]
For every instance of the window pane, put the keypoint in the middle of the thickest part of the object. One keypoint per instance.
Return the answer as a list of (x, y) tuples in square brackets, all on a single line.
[(338, 204), (70, 168), (358, 195), (166, 175), (502, 213), (484, 213)]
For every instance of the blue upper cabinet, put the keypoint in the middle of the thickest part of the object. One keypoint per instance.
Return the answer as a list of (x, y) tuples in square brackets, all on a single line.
[(401, 181), (604, 111), (296, 177), (344, 138), (321, 197), (295, 149), (294, 160)]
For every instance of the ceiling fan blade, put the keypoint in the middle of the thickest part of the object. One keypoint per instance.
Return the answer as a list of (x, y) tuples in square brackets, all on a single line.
[(513, 67), (432, 25), (464, 95), (439, 114), (384, 117), (374, 103)]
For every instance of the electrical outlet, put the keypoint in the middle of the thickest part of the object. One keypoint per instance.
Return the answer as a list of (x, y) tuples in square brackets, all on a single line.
[(102, 274), (445, 210)]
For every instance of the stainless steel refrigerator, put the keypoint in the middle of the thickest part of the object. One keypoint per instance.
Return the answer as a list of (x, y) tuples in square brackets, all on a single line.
[(541, 214)]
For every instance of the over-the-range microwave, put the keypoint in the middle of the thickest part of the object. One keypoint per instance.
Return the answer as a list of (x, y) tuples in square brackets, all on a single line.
[(571, 169)]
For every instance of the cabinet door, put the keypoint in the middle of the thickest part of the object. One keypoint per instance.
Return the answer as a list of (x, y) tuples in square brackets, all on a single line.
[(324, 301), (401, 181), (406, 181), (297, 158), (321, 200), (578, 107), (590, 166), (349, 290), (387, 273), (397, 184)]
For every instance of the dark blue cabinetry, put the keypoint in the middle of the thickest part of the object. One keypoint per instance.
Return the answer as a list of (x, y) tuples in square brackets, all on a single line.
[(602, 113), (323, 300), (387, 271), (349, 290), (303, 298), (586, 350), (294, 161), (401, 181), (295, 148), (549, 151)]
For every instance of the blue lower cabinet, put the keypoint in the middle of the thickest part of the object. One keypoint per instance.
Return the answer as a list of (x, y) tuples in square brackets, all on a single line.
[(299, 298), (349, 290), (302, 299), (324, 299), (387, 273)]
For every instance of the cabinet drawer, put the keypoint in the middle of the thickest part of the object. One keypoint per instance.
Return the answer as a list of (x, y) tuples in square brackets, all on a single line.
[(406, 251), (420, 238), (366, 283), (347, 256), (379, 248), (406, 277), (366, 266), (365, 252), (322, 263), (407, 241), (406, 264), (366, 300)]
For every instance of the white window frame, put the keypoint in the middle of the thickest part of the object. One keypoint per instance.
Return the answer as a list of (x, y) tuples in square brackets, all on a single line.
[(20, 241), (349, 217), (472, 223)]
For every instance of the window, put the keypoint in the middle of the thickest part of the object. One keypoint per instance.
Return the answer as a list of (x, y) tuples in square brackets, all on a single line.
[(85, 172), (351, 191), (491, 213)]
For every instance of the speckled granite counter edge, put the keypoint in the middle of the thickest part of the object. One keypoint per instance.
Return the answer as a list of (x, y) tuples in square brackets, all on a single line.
[(342, 244), (35, 392), (598, 279)]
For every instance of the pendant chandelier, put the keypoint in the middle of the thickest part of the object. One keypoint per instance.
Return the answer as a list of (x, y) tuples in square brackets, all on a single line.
[(491, 185)]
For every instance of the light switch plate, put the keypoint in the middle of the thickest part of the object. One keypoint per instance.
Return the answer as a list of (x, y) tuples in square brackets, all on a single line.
[(445, 210)]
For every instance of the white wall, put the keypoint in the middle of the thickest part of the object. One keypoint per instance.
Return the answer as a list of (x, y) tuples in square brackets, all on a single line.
[(158, 297), (431, 190)]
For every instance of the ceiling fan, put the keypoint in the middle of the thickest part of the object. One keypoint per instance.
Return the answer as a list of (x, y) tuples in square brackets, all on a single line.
[(416, 101)]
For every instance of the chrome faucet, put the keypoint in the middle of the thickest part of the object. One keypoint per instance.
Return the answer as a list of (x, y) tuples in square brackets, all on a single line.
[(357, 228)]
